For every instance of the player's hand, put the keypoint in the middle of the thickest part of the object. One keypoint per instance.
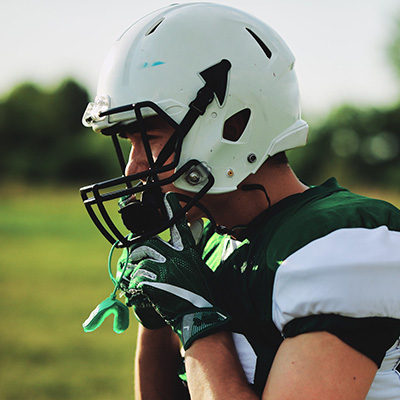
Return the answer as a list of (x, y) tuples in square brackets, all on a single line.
[(176, 281), (144, 311)]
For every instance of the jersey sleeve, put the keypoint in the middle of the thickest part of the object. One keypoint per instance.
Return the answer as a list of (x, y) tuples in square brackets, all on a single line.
[(346, 283), (370, 336)]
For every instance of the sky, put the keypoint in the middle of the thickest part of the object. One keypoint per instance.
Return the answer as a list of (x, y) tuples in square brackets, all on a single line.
[(340, 45)]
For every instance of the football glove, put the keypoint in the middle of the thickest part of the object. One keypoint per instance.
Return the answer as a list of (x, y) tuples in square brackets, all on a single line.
[(142, 307), (176, 281)]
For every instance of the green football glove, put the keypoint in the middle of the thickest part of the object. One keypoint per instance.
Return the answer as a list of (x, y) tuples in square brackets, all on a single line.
[(176, 281), (142, 307)]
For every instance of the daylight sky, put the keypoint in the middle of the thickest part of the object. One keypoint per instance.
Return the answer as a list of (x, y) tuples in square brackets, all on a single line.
[(340, 45)]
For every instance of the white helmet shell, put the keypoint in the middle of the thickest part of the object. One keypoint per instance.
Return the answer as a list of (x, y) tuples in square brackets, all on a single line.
[(159, 59)]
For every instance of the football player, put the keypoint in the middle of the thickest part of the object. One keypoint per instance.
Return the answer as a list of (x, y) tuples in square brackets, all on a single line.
[(269, 288)]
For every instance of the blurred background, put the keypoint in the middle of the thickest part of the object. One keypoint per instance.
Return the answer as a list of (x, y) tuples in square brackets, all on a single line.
[(53, 262)]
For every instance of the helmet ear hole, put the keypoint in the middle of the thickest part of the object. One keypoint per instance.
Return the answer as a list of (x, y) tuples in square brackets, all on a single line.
[(235, 125)]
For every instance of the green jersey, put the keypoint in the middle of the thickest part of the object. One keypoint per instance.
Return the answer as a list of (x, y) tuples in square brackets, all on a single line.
[(322, 260)]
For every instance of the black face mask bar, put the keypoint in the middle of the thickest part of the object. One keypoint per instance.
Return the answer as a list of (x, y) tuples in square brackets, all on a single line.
[(215, 79), (112, 234)]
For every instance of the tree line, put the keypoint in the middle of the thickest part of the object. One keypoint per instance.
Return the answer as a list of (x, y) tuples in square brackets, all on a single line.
[(43, 140), (358, 145)]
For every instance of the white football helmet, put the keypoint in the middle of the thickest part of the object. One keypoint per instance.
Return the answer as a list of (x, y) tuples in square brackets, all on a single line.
[(197, 65)]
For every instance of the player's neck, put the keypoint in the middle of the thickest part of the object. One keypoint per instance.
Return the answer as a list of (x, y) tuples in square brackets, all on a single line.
[(242, 206)]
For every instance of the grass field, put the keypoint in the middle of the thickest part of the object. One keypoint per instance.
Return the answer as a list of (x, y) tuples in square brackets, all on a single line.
[(53, 272)]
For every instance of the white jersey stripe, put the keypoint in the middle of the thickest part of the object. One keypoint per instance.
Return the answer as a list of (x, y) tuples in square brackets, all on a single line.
[(353, 272)]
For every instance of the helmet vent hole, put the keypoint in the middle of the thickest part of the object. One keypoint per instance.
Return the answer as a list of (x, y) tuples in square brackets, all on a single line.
[(263, 46), (154, 27), (235, 125)]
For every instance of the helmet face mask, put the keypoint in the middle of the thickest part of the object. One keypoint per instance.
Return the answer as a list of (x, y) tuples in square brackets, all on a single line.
[(147, 217), (182, 64), (140, 205)]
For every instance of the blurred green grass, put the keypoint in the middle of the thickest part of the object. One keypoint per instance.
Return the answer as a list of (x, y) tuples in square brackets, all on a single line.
[(53, 272)]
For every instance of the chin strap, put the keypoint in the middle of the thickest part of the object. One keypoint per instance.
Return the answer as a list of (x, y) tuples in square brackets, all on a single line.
[(238, 231), (256, 186), (220, 229)]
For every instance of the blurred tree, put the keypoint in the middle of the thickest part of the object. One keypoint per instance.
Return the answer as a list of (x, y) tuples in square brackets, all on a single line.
[(43, 139), (357, 145)]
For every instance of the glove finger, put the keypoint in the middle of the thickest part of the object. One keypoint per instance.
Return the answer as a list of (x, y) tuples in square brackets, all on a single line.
[(181, 235), (167, 302), (158, 288), (145, 313), (147, 251), (149, 318), (143, 252), (146, 271)]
